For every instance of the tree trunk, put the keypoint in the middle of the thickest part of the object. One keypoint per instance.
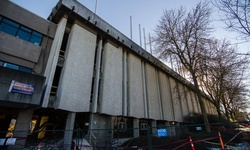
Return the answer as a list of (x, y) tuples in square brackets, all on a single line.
[(203, 109), (218, 110), (227, 114)]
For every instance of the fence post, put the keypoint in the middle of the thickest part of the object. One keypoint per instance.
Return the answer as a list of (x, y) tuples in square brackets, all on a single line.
[(191, 143), (149, 138), (221, 142)]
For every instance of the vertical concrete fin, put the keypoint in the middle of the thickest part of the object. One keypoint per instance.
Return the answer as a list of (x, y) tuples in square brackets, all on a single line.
[(125, 84), (97, 76), (53, 59)]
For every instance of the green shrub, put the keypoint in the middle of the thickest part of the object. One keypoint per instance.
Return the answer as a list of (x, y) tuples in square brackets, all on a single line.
[(196, 118)]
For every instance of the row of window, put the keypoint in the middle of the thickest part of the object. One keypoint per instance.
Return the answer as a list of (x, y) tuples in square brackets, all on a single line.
[(15, 67), (20, 31)]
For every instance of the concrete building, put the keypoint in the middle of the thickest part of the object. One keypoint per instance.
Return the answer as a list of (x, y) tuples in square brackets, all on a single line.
[(77, 71)]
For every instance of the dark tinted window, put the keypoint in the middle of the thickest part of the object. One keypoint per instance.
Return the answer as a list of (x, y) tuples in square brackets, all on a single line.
[(20, 31), (9, 27), (24, 69), (11, 66), (36, 38), (15, 67), (24, 33)]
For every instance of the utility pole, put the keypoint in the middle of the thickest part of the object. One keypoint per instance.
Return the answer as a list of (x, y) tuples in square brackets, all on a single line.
[(96, 5), (131, 33), (243, 53)]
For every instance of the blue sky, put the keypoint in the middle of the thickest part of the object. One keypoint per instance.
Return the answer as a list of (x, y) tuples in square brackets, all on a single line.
[(144, 12)]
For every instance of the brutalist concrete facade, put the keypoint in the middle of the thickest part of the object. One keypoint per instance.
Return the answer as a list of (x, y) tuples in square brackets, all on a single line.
[(92, 73), (25, 43)]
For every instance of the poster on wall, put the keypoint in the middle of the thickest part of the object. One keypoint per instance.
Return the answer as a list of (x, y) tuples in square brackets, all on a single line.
[(21, 88)]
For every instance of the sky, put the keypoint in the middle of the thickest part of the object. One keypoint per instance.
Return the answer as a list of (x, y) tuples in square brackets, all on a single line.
[(145, 13)]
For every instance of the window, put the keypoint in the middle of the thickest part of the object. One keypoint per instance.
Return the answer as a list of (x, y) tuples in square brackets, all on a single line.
[(36, 38), (24, 33), (15, 67), (9, 27), (11, 66), (145, 127), (20, 31), (123, 127), (24, 69)]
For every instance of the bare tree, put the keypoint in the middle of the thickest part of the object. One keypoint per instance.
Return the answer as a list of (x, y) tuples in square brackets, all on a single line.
[(222, 78), (182, 36), (235, 99), (237, 15)]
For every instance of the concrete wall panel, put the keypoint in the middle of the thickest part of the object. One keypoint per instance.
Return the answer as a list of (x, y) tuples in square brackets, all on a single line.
[(8, 75), (194, 100), (213, 109), (135, 87), (75, 87), (19, 48), (189, 101), (176, 100), (198, 105), (207, 106), (152, 92), (166, 97), (111, 99), (184, 104)]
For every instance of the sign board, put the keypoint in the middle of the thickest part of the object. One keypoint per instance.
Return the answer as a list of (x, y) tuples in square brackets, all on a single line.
[(8, 141), (21, 88), (162, 132), (198, 128), (2, 141), (11, 141)]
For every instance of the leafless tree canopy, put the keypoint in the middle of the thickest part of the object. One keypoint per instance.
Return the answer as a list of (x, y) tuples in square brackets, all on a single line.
[(183, 36), (237, 15), (223, 77), (212, 65)]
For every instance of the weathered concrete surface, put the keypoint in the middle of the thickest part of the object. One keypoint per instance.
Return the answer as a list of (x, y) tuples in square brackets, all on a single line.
[(111, 94), (75, 87), (135, 87)]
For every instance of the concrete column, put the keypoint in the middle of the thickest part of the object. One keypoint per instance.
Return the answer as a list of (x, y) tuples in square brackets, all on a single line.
[(125, 85), (136, 127), (167, 125), (53, 59), (99, 129), (22, 127), (178, 129), (145, 101), (154, 128), (69, 130), (97, 76)]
